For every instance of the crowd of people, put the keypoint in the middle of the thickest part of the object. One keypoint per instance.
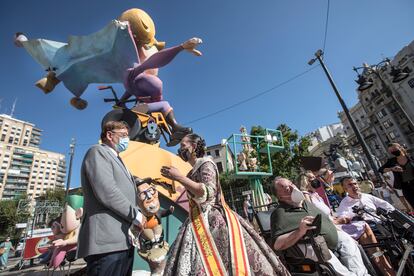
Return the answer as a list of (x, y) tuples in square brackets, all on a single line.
[(343, 229), (215, 240)]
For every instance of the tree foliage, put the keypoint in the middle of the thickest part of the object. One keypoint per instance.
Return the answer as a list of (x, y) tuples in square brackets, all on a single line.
[(226, 180), (57, 194), (9, 218)]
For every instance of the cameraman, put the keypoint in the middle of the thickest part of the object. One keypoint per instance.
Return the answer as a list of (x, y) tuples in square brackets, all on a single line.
[(291, 220)]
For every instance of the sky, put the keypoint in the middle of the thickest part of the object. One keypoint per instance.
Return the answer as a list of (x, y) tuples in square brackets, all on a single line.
[(249, 47)]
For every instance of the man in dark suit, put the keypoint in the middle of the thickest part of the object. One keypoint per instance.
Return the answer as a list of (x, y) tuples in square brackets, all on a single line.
[(110, 205)]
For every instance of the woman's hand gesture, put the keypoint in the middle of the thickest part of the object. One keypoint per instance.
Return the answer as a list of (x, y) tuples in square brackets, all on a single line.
[(171, 173)]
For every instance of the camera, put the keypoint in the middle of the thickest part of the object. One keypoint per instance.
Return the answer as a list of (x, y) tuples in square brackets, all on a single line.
[(403, 223)]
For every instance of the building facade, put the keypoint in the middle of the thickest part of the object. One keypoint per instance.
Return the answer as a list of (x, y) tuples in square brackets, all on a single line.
[(324, 134), (218, 153), (369, 132), (386, 119), (25, 168)]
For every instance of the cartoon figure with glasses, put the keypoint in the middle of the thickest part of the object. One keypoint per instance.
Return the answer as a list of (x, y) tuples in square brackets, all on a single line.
[(151, 245)]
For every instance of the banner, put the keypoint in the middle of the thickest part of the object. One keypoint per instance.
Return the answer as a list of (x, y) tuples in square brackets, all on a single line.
[(36, 246)]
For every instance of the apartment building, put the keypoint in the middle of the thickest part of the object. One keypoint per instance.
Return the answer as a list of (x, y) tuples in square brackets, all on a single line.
[(25, 168)]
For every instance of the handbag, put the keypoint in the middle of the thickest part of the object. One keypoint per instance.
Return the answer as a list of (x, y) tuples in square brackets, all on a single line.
[(2, 250), (321, 248)]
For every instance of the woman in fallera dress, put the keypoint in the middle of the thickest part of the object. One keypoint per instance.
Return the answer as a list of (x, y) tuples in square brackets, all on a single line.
[(214, 240)]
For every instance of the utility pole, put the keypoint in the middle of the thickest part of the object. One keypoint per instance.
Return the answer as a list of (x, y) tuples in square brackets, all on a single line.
[(71, 153), (361, 141)]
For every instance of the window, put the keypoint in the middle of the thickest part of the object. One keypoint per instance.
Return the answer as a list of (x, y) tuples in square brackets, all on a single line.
[(388, 124), (217, 153), (208, 153), (219, 167), (411, 83), (392, 135), (382, 113)]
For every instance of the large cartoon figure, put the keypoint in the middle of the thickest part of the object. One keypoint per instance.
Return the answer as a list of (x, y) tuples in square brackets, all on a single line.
[(142, 80), (125, 51), (70, 225), (150, 242)]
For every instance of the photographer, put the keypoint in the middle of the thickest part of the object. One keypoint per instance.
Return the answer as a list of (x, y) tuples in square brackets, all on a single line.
[(293, 218), (402, 168)]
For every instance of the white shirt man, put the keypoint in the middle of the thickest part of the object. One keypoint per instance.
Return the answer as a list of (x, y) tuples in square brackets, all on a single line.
[(362, 200)]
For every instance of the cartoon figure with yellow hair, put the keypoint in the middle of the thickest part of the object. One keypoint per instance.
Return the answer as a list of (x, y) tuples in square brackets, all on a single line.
[(125, 51)]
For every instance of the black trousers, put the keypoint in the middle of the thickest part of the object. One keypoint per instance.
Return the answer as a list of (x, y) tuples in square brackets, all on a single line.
[(408, 192), (112, 263)]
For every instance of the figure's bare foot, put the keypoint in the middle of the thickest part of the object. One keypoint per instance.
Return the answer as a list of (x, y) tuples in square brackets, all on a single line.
[(191, 44)]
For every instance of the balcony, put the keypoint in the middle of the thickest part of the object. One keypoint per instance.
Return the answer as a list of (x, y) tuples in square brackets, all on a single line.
[(18, 163), (15, 187), (15, 181), (22, 159)]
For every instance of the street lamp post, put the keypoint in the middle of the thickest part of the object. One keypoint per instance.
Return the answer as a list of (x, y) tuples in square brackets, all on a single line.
[(71, 153), (361, 141), (397, 74)]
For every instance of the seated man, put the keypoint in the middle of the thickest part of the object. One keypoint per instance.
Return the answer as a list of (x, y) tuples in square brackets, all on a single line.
[(360, 230), (292, 219), (356, 198)]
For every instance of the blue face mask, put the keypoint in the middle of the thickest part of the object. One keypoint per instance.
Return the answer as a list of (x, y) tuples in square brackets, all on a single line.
[(122, 144)]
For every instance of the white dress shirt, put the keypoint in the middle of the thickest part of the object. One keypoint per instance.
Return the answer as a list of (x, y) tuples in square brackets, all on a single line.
[(369, 202)]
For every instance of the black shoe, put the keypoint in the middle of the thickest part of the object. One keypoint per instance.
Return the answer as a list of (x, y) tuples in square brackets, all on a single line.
[(176, 138)]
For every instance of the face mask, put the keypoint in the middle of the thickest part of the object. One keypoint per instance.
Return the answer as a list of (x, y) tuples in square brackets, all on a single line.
[(315, 183), (297, 196), (122, 144), (184, 154), (396, 152)]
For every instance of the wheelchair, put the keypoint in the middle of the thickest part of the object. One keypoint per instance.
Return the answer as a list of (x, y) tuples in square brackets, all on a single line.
[(395, 236), (143, 126), (293, 259)]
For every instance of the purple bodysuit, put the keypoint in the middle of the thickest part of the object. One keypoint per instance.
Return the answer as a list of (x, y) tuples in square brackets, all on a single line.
[(142, 85)]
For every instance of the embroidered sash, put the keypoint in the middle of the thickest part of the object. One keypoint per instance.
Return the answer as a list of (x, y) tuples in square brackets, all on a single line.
[(205, 243)]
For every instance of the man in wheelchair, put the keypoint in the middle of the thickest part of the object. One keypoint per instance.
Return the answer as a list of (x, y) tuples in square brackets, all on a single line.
[(356, 198), (291, 223), (352, 208)]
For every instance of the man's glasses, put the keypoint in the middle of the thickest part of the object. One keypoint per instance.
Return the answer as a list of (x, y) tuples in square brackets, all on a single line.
[(147, 194), (121, 134)]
